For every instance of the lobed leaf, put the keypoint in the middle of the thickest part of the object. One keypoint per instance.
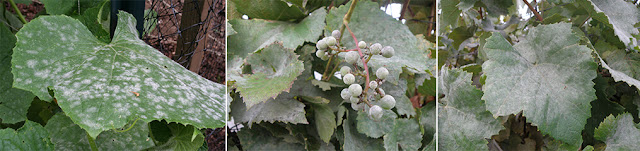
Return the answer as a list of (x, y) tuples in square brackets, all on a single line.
[(463, 121), (619, 133), (547, 76), (101, 86), (274, 69)]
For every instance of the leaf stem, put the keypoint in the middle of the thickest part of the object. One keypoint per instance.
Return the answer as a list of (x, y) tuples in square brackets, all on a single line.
[(364, 63), (347, 18), (533, 10), (92, 143), (15, 7)]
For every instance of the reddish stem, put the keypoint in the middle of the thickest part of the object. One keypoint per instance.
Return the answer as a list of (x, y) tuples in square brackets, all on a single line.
[(364, 62)]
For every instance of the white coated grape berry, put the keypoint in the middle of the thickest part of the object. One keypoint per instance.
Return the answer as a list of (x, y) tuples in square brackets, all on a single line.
[(387, 52), (331, 41), (357, 107), (351, 57), (373, 84), (354, 99), (349, 78), (355, 89), (387, 102), (382, 73), (319, 53), (375, 112), (375, 48), (362, 45), (322, 45), (335, 34), (344, 70), (345, 94)]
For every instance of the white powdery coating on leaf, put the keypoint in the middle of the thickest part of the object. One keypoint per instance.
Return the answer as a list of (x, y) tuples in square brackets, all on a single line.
[(101, 85)]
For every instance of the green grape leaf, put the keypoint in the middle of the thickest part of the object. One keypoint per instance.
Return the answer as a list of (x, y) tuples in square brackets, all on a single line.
[(274, 69), (13, 102), (465, 5), (284, 110), (259, 138), (175, 136), (55, 7), (325, 121), (373, 128), (68, 136), (372, 25), (623, 66), (450, 14), (356, 141), (547, 76), (94, 82), (428, 120), (269, 9), (463, 121), (31, 136), (620, 15), (252, 35), (497, 7), (406, 134), (619, 133)]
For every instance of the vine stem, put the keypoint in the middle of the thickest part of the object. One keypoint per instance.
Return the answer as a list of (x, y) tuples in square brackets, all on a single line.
[(15, 7), (364, 63), (347, 19), (533, 10), (92, 143)]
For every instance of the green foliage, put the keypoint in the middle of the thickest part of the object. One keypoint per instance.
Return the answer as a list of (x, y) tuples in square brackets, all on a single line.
[(283, 104), (91, 92), (543, 84)]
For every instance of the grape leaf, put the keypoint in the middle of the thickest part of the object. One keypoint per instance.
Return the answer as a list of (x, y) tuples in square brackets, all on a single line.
[(463, 121), (428, 121), (623, 66), (372, 25), (356, 141), (285, 110), (403, 104), (274, 69), (619, 133), (268, 9), (325, 121), (13, 102), (259, 138), (497, 7), (450, 14), (406, 134), (373, 128), (94, 82), (31, 136), (252, 35), (547, 76), (68, 136), (620, 15)]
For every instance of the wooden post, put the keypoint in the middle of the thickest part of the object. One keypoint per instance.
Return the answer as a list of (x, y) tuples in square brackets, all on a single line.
[(198, 56), (191, 11)]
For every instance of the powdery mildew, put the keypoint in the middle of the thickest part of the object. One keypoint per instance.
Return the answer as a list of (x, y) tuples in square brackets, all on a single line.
[(94, 82)]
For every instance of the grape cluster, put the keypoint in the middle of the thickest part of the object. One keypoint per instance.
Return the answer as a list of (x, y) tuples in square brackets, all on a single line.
[(374, 100)]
